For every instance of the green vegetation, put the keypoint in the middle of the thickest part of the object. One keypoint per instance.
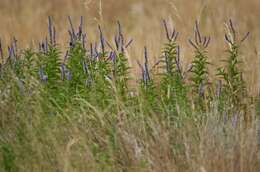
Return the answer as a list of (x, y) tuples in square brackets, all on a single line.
[(80, 112)]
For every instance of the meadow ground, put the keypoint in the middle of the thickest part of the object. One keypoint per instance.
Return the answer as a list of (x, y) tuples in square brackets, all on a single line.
[(101, 102)]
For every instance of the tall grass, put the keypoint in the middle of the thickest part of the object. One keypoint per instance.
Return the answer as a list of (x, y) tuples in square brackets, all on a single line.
[(79, 112)]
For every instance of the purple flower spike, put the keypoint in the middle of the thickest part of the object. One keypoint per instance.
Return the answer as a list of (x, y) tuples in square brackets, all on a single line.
[(177, 62), (1, 51), (166, 30), (233, 38), (71, 42), (207, 42), (245, 37), (143, 73), (199, 42), (119, 28), (46, 45), (119, 40), (71, 27), (54, 36), (109, 45), (112, 55), (11, 53), (52, 31), (77, 36), (193, 44), (129, 43), (116, 39), (198, 31), (146, 64), (68, 75), (232, 29), (80, 28), (170, 35), (62, 69), (102, 40), (228, 39)]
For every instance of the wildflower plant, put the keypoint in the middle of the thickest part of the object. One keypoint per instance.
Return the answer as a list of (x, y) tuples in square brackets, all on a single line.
[(120, 67), (172, 84), (199, 77), (147, 86), (74, 67), (234, 88)]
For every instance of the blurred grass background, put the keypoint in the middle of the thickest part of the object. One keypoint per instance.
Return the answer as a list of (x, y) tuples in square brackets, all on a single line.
[(27, 21)]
